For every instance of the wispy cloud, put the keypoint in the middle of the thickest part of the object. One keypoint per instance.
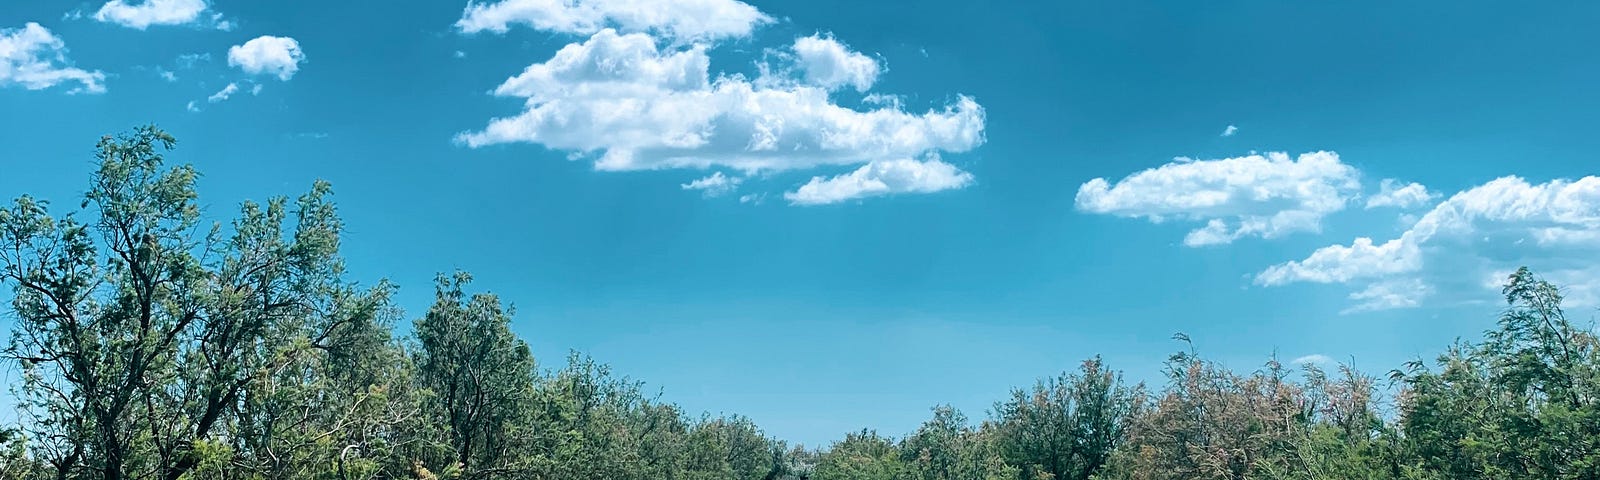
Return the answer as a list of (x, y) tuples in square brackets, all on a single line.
[(35, 59), (684, 19), (144, 14), (881, 178), (715, 185), (1555, 225), (1265, 196), (1312, 359), (223, 94), (1391, 193), (1389, 295)]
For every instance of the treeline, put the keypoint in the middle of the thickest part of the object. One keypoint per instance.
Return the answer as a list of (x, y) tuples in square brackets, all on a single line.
[(149, 345)]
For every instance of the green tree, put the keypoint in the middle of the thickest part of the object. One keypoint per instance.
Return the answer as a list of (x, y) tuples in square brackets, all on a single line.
[(861, 455), (481, 377), (946, 448), (1066, 427), (1520, 405), (935, 449), (138, 332), (732, 448)]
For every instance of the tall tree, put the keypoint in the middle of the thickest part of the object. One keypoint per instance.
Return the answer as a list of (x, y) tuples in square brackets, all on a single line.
[(863, 455), (481, 376), (1522, 404), (1066, 427), (140, 333)]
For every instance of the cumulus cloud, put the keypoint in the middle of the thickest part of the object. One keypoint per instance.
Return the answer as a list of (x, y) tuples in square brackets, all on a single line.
[(1391, 193), (34, 58), (882, 177), (638, 93), (1341, 263), (1493, 227), (267, 55), (640, 107), (1265, 196), (142, 15), (715, 185), (826, 63), (1228, 132), (682, 19), (223, 94)]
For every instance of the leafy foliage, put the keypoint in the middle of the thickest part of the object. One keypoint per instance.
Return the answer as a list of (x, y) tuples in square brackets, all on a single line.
[(152, 346)]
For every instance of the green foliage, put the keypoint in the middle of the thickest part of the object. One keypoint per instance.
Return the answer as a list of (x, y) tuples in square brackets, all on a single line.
[(1066, 428), (481, 380), (151, 346), (862, 456), (1523, 404)]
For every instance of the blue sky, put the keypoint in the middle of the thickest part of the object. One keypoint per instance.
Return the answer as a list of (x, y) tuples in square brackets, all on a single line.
[(829, 215)]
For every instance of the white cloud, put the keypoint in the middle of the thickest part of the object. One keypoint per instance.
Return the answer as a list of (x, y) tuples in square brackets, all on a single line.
[(191, 106), (829, 64), (223, 94), (167, 75), (1263, 196), (639, 94), (35, 59), (715, 185), (1388, 295), (256, 89), (634, 106), (884, 99), (1339, 263), (882, 177), (1472, 234), (142, 15), (1313, 359), (683, 19), (267, 55), (1392, 194), (1228, 132), (189, 60)]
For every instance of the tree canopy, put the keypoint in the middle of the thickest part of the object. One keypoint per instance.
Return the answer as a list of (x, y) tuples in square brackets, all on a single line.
[(153, 345)]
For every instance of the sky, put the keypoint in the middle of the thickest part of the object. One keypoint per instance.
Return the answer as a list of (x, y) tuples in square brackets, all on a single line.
[(832, 215)]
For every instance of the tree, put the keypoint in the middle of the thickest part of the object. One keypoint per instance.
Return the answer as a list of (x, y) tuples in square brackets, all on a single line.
[(1066, 427), (934, 450), (861, 455), (152, 347), (1522, 404), (946, 448), (732, 448), (139, 334), (481, 377)]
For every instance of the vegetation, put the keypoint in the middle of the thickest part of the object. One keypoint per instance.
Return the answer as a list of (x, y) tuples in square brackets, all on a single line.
[(151, 346)]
